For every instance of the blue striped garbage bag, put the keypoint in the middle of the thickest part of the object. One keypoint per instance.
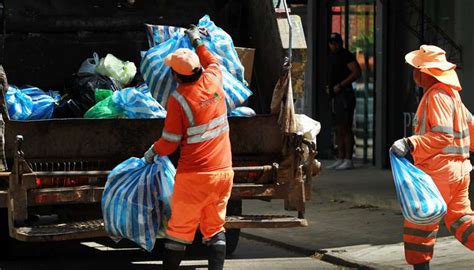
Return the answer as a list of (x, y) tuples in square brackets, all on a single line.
[(218, 42), (419, 198), (160, 80), (242, 112), (30, 103), (138, 103), (136, 200), (157, 34)]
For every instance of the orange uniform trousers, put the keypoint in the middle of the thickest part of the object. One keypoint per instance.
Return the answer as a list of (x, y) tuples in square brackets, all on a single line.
[(420, 240), (199, 198)]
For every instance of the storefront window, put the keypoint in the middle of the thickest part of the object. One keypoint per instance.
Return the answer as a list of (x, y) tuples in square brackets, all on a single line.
[(357, 30)]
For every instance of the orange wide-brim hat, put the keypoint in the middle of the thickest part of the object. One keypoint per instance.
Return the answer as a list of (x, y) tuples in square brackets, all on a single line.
[(183, 61), (431, 60)]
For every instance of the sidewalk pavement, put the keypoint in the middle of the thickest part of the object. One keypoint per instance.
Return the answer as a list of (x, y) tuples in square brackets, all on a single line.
[(364, 185), (354, 220)]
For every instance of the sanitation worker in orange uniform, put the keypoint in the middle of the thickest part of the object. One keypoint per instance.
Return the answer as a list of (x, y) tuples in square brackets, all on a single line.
[(196, 121), (440, 147)]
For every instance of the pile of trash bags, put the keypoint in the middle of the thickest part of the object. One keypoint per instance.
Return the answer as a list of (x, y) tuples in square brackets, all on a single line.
[(108, 87), (130, 102), (80, 94)]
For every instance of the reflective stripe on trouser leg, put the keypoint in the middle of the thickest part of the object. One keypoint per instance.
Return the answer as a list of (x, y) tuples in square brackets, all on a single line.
[(468, 237), (173, 255), (463, 230), (419, 242), (460, 217), (174, 245)]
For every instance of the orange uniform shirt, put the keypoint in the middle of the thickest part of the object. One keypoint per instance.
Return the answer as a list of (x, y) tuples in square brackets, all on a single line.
[(442, 142), (197, 121)]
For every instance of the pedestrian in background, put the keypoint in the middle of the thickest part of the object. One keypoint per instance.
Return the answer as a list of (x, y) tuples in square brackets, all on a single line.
[(343, 70), (440, 148)]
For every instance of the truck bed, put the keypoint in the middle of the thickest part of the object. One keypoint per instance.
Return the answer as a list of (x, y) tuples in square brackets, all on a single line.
[(114, 140)]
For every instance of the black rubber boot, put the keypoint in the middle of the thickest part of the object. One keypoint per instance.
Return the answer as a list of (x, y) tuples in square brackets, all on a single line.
[(173, 255), (217, 247), (422, 266)]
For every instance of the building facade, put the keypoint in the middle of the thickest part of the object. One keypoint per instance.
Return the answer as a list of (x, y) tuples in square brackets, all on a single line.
[(380, 33)]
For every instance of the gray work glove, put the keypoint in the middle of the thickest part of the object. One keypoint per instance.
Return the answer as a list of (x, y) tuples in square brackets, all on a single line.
[(400, 147), (149, 155), (194, 36)]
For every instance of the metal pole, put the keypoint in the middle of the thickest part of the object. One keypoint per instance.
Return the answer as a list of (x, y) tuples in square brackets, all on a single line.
[(346, 24), (290, 31), (381, 84)]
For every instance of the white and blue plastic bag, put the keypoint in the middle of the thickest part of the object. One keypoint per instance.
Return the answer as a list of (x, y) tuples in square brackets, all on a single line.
[(160, 80), (30, 103), (419, 198), (136, 200), (242, 112), (138, 103)]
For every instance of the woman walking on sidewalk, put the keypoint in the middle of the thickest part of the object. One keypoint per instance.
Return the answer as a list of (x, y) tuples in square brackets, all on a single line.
[(440, 148)]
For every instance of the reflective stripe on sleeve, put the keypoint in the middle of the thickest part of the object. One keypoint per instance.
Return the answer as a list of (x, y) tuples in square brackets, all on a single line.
[(456, 150), (449, 130), (171, 136), (446, 130)]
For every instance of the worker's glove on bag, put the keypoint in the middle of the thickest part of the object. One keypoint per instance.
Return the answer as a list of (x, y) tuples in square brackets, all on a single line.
[(400, 147), (194, 36), (149, 155)]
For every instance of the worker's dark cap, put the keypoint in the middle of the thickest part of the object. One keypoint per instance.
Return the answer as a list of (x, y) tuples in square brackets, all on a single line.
[(335, 37)]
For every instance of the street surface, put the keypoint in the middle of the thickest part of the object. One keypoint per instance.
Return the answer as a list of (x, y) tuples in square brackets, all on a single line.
[(354, 221), (103, 254)]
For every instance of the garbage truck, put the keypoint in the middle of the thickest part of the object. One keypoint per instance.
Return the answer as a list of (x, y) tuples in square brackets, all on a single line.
[(57, 168)]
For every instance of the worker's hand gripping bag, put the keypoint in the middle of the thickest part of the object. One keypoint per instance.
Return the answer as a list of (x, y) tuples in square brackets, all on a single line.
[(419, 198), (136, 200)]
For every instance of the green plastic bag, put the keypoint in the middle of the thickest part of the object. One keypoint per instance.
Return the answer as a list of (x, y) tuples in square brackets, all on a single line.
[(122, 71), (105, 109), (101, 94)]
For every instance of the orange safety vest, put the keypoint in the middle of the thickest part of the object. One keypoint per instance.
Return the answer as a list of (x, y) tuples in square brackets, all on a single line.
[(197, 121), (441, 142)]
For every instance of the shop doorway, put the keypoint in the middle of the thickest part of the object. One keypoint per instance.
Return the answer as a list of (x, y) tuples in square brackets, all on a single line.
[(355, 21)]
